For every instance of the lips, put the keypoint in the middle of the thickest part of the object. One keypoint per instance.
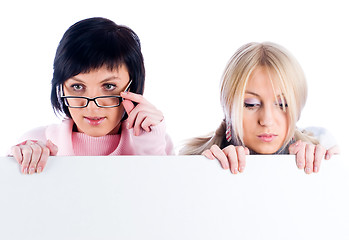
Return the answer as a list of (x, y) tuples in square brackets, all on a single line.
[(94, 121), (267, 137)]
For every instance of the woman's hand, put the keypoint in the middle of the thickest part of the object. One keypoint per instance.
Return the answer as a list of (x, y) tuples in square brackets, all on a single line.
[(331, 151), (308, 156), (231, 157), (142, 116), (33, 155)]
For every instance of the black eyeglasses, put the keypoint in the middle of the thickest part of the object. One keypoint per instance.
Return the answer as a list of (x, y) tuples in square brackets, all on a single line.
[(102, 101)]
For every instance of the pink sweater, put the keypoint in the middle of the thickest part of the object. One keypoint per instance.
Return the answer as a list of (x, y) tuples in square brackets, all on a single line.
[(70, 143)]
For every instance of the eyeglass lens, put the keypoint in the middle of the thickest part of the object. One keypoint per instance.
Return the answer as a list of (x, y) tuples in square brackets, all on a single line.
[(101, 101)]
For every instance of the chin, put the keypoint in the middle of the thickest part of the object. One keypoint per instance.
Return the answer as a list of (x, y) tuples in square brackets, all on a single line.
[(266, 149)]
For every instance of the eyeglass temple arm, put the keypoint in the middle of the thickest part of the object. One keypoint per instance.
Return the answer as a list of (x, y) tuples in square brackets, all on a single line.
[(128, 86)]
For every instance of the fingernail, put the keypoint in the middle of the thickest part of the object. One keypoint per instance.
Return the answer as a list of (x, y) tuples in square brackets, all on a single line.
[(31, 170), (235, 170), (39, 170), (315, 169), (241, 169), (307, 170), (25, 170)]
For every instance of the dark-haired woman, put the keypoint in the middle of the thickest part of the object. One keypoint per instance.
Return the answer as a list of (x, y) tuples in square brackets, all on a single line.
[(97, 85)]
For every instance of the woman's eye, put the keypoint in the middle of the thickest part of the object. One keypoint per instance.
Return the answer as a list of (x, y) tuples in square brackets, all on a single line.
[(251, 105), (109, 86), (77, 87), (282, 105)]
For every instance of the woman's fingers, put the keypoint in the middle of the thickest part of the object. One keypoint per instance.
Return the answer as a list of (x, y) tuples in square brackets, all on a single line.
[(247, 151), (137, 129), (27, 152), (309, 158), (147, 123), (17, 154), (207, 153), (33, 155), (298, 149), (220, 156), (319, 155), (134, 97), (241, 155), (52, 147), (230, 152), (45, 153), (142, 116), (231, 157), (330, 152), (128, 105)]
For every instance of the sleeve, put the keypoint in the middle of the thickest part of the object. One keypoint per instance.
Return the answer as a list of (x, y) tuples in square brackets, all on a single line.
[(37, 134), (155, 142), (324, 137)]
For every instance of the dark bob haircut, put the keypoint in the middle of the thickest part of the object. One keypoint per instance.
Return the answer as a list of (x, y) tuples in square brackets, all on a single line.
[(91, 44)]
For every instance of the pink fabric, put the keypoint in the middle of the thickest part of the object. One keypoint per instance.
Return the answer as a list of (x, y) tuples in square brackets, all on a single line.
[(156, 142), (85, 145)]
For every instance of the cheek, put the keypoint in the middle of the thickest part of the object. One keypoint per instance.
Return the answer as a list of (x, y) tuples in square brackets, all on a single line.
[(75, 113), (249, 125), (283, 122), (249, 120), (116, 114)]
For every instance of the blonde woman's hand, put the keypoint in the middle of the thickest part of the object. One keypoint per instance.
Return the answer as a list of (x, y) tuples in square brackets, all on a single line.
[(230, 157), (33, 155), (308, 156), (142, 116), (332, 151)]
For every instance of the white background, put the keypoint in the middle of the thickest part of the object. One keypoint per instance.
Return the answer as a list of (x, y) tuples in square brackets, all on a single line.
[(186, 45)]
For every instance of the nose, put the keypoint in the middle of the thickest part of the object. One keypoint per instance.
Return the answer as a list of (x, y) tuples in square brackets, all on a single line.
[(92, 104), (266, 117)]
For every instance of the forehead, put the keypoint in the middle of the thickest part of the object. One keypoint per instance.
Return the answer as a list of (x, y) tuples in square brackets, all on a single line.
[(102, 74), (264, 82)]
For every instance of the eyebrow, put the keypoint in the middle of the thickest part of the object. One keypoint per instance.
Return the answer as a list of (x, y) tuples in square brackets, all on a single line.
[(252, 93), (104, 80), (255, 94)]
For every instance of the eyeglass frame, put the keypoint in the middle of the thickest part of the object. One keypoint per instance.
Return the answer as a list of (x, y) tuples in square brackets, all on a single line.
[(93, 99)]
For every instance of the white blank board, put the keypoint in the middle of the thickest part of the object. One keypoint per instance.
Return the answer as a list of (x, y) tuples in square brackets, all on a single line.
[(178, 197)]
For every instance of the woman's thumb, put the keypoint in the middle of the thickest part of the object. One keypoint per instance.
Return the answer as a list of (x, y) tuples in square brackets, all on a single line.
[(53, 148), (128, 105)]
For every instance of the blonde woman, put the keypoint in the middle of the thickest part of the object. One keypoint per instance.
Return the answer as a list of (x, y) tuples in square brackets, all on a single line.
[(263, 91)]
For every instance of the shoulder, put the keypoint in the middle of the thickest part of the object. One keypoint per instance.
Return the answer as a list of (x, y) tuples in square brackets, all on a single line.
[(324, 136), (35, 134), (44, 133)]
